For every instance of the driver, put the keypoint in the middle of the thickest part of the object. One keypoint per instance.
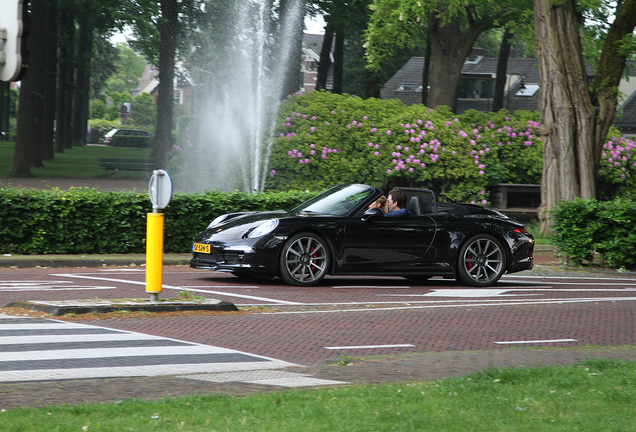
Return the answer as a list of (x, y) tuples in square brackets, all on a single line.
[(396, 203)]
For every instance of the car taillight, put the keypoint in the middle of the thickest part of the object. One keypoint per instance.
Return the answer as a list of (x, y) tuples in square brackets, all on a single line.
[(521, 230)]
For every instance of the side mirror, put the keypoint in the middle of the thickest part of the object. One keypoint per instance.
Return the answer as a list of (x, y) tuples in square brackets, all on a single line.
[(373, 213)]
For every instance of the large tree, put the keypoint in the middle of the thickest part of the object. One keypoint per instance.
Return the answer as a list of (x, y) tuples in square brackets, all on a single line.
[(452, 27), (575, 123), (30, 114), (162, 30)]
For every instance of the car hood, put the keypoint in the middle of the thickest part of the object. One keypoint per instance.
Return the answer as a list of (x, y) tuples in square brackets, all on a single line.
[(239, 224)]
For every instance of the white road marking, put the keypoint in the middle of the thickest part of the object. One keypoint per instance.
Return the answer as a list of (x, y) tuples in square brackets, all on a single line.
[(224, 286), (181, 289), (509, 277), (493, 292), (131, 371), (48, 350), (156, 352), (28, 283), (13, 286), (537, 341), (127, 270), (471, 293), (370, 287), (437, 306), (369, 346), (264, 377)]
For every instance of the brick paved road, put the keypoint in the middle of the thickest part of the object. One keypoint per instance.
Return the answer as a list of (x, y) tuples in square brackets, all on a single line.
[(468, 329), (360, 316)]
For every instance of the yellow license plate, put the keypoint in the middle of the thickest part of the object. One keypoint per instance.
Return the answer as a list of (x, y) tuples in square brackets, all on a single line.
[(201, 248)]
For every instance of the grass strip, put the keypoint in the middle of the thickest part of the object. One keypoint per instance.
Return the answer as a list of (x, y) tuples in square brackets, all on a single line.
[(597, 395), (78, 162)]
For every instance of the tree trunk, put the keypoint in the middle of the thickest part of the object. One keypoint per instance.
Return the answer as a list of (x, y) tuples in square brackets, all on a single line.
[(567, 114), (165, 99), (27, 144), (372, 85), (502, 72), (293, 18), (82, 82), (325, 59), (48, 107), (64, 100), (426, 72), (5, 106), (338, 60), (450, 45)]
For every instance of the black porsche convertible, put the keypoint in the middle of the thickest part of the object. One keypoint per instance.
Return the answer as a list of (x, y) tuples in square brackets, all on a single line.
[(335, 233)]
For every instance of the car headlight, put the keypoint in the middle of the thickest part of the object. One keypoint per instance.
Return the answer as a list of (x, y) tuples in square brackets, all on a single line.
[(264, 228), (217, 221)]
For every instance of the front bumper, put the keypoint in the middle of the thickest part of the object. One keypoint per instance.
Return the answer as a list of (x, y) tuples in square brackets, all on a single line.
[(224, 261), (256, 258)]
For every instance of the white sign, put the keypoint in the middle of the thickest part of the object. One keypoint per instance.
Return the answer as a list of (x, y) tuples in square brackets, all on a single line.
[(12, 32), (160, 189)]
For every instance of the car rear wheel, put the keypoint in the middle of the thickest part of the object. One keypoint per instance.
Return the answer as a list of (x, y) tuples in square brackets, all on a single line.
[(304, 260), (482, 261)]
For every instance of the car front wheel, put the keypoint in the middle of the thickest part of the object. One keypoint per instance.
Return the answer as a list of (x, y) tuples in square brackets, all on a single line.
[(482, 261), (304, 260)]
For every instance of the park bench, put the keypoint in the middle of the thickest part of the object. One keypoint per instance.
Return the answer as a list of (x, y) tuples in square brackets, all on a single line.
[(115, 165)]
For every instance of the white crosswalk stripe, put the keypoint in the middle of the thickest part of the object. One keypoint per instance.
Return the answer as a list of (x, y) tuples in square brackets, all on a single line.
[(34, 349)]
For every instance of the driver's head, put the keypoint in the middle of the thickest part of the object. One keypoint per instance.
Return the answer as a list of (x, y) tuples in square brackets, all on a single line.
[(398, 197)]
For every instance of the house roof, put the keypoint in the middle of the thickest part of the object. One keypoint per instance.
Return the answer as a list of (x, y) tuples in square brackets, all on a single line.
[(477, 65), (627, 118)]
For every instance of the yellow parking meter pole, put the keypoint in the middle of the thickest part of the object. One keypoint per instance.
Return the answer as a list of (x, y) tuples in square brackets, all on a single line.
[(154, 255), (160, 191)]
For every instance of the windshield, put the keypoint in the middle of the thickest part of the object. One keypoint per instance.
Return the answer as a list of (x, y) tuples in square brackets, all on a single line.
[(337, 201)]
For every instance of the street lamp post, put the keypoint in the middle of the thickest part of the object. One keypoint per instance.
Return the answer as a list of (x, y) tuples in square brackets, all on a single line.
[(521, 77)]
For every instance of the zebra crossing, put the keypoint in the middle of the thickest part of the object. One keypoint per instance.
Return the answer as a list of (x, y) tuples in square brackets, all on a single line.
[(33, 349)]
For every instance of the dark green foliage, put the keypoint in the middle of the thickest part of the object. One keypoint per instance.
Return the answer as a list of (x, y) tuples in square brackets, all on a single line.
[(86, 221), (588, 227)]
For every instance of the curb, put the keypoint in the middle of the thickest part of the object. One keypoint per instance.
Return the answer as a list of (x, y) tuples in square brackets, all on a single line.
[(59, 261), (73, 307)]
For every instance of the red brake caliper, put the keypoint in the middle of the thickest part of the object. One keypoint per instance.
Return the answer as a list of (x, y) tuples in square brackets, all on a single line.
[(313, 267)]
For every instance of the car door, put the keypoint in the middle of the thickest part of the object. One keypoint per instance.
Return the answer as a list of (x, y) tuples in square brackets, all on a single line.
[(387, 245)]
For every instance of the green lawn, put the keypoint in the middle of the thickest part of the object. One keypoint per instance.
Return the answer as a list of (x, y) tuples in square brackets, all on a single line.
[(77, 162), (597, 395)]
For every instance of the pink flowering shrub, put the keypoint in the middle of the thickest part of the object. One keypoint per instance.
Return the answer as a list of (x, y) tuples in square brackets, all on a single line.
[(382, 142), (617, 170), (322, 139)]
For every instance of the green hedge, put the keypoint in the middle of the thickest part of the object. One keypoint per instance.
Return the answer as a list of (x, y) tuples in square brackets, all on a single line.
[(86, 221), (589, 228)]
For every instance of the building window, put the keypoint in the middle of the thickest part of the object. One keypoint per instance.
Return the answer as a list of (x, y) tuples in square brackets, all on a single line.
[(410, 87), (476, 88)]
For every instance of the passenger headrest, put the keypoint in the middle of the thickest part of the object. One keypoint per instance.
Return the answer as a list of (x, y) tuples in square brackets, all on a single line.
[(415, 206)]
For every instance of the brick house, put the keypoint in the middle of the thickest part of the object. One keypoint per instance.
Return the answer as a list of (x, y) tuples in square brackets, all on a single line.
[(476, 87)]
